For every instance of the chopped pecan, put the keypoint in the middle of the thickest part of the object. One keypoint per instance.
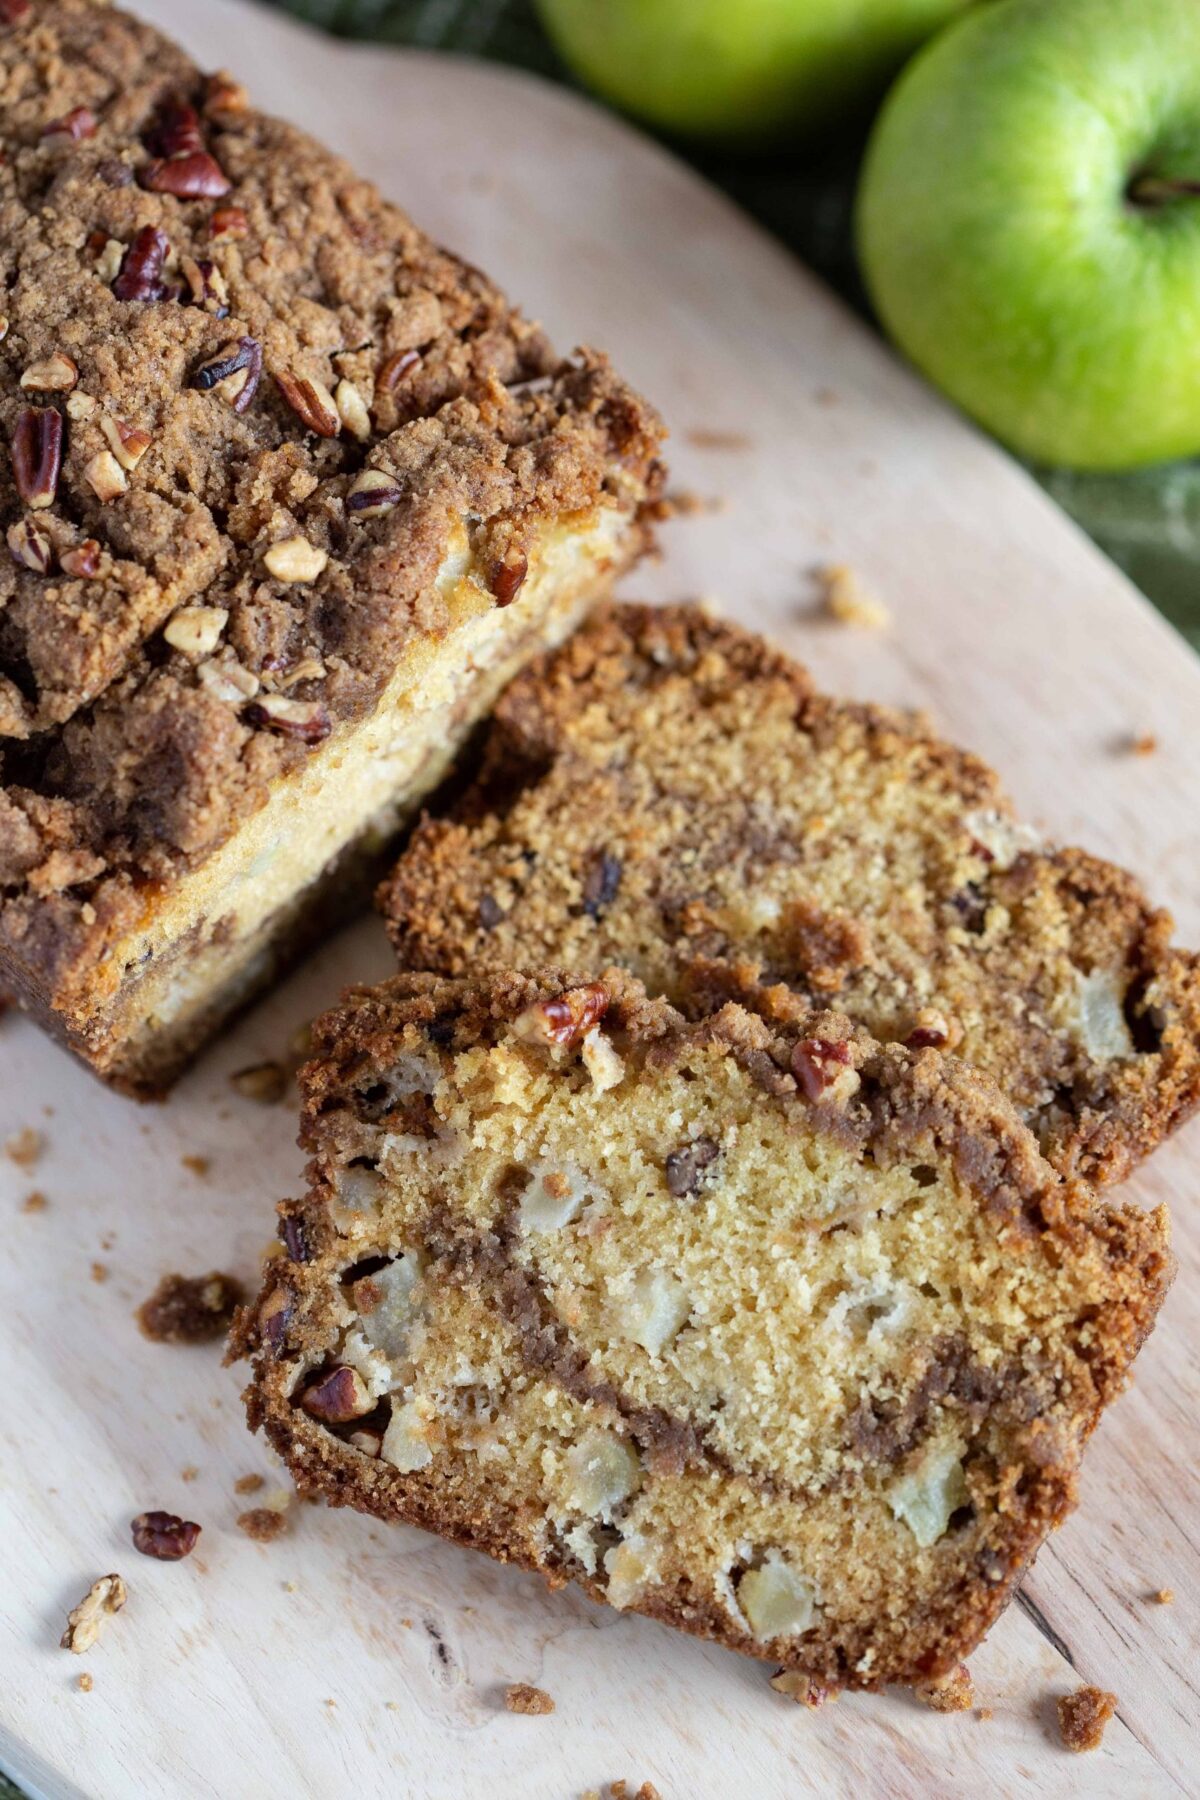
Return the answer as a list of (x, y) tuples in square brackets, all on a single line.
[(129, 443), (239, 364), (506, 576), (337, 1396), (196, 630), (80, 122), (139, 276), (164, 1535), (222, 94), (312, 403), (11, 13), (55, 374), (228, 222), (30, 546), (193, 176), (564, 1019), (303, 719), (226, 679), (395, 369), (176, 129), (82, 560), (103, 1598), (105, 476), (206, 286), (37, 454), (294, 559), (372, 493), (352, 410), (817, 1063)]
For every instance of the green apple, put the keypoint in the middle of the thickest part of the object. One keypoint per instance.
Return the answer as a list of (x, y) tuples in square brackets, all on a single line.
[(740, 68), (1028, 225)]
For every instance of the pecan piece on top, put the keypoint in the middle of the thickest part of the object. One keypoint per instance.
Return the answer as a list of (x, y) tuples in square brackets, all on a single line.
[(176, 129), (80, 122), (30, 546), (193, 176), (312, 403), (12, 12), (164, 1535), (564, 1020), (817, 1063), (242, 358), (140, 274), (37, 454)]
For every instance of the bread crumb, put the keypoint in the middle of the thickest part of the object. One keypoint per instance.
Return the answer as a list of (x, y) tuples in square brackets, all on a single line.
[(199, 1165), (190, 1309), (263, 1523), (391, 1706), (105, 1596), (247, 1484), (190, 1473), (86, 1684), (984, 1713), (619, 1790), (99, 1271), (685, 503), (953, 1693), (289, 1587), (521, 1697), (1144, 745), (702, 437), (24, 1147), (1163, 1596), (265, 1082), (34, 1203), (803, 1689), (1083, 1715), (848, 600)]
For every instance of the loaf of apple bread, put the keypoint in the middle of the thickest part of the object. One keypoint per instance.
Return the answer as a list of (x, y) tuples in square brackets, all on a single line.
[(672, 794), (289, 494), (784, 1337)]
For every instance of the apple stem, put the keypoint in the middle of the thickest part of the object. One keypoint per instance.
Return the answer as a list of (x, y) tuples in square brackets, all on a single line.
[(1155, 190)]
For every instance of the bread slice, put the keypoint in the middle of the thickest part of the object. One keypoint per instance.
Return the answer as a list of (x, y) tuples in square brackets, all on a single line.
[(289, 494), (787, 1338), (672, 794)]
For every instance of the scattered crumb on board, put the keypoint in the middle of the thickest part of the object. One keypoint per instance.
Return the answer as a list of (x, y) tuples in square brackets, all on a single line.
[(190, 1309), (99, 1271), (86, 1684), (703, 437), (199, 1165), (263, 1523), (24, 1147), (265, 1082), (847, 600), (1163, 1596), (522, 1697), (1143, 744), (247, 1484), (35, 1202), (954, 1693), (1083, 1715), (793, 1684)]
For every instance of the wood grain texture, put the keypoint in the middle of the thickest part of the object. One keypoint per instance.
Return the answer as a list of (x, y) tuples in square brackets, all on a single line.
[(348, 1659)]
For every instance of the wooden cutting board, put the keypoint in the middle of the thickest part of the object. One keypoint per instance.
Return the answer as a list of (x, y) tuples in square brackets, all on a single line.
[(346, 1659)]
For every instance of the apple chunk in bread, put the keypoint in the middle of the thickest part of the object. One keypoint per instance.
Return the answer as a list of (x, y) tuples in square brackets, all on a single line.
[(780, 1336)]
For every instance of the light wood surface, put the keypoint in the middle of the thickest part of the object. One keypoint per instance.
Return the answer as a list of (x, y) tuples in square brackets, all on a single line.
[(349, 1660)]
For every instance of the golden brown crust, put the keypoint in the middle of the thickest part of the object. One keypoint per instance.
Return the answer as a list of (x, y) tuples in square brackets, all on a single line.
[(136, 731), (669, 793), (882, 1107)]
